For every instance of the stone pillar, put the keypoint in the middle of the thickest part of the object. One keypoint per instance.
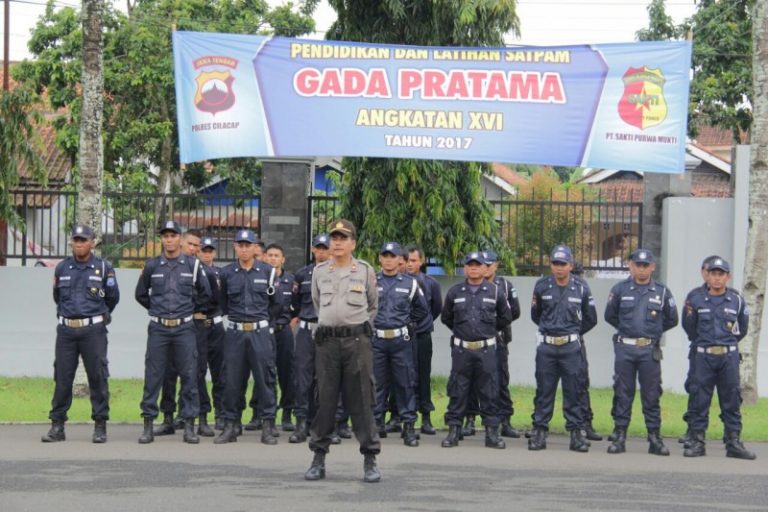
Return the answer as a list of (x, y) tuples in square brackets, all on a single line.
[(284, 219), (657, 187)]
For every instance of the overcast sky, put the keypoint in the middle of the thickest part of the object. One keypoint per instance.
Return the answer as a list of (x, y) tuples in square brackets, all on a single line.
[(543, 22)]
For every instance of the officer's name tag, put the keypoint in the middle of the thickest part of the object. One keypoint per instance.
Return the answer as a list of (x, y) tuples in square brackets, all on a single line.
[(577, 300), (655, 301), (260, 281), (158, 275), (731, 311), (628, 298), (485, 299), (546, 297), (65, 278), (403, 290), (380, 288), (702, 310), (185, 274), (94, 278), (357, 287), (462, 299)]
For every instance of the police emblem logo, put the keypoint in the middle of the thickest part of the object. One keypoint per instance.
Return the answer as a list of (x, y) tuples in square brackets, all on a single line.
[(390, 247), (560, 254), (643, 104), (718, 262), (643, 255), (79, 230), (323, 239), (474, 255), (244, 235), (169, 224), (339, 225)]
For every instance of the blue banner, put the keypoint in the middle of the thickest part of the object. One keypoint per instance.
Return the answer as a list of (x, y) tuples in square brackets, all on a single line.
[(617, 106)]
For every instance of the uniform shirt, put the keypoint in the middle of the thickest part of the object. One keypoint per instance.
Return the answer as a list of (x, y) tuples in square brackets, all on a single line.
[(475, 312), (641, 311), (301, 296), (715, 319), (561, 310), (432, 294), (344, 295), (401, 302), (212, 308), (283, 295), (84, 289), (248, 295), (509, 291), (169, 288)]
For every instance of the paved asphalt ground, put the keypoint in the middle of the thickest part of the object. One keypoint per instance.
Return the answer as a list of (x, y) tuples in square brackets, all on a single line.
[(171, 476)]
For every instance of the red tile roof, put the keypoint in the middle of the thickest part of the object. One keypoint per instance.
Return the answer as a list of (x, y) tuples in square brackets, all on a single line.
[(508, 174)]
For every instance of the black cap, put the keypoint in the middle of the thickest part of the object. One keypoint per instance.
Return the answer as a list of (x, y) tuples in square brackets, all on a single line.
[(474, 256), (246, 235), (344, 227), (642, 256), (391, 247), (82, 231), (719, 264), (321, 239), (561, 253), (490, 257), (207, 242), (170, 225)]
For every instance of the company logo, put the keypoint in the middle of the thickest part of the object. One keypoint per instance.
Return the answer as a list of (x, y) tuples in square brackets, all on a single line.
[(214, 92), (643, 104)]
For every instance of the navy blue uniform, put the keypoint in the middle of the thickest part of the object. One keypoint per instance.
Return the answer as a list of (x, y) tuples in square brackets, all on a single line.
[(475, 314), (172, 289), (247, 296), (423, 346), (505, 405), (563, 314), (304, 349), (85, 294), (640, 314), (284, 342), (715, 324), (401, 302)]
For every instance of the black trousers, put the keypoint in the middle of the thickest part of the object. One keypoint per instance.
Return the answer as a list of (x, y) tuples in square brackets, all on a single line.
[(90, 342), (423, 348), (722, 372), (393, 365), (285, 349), (304, 374), (633, 364), (586, 401), (478, 369), (244, 351), (505, 405), (688, 380), (164, 344), (345, 365), (555, 363)]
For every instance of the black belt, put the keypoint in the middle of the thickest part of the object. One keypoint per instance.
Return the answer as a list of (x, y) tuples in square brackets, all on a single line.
[(280, 327), (343, 331)]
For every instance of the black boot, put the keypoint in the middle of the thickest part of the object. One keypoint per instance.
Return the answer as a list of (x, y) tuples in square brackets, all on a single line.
[(239, 428), (409, 435), (589, 432), (147, 436), (166, 428), (578, 443), (370, 469), (382, 429), (426, 425), (99, 432), (55, 434), (697, 447), (507, 430), (178, 423), (538, 439), (268, 432), (343, 430), (492, 438), (316, 470), (219, 425), (469, 427), (656, 444), (189, 431), (286, 424), (300, 434), (685, 439), (735, 448), (612, 436), (393, 425), (228, 435), (618, 445), (254, 424), (454, 431), (203, 429)]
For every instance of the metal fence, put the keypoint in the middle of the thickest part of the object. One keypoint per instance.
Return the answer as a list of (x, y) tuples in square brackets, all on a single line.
[(323, 209), (129, 226)]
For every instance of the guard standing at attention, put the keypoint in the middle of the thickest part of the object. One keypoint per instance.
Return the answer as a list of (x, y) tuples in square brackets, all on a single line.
[(172, 287), (564, 310), (247, 296), (345, 298), (85, 292), (475, 311), (641, 309), (715, 322)]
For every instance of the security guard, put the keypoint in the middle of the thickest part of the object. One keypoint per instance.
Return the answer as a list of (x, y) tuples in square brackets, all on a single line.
[(505, 406), (85, 291), (564, 310), (345, 298), (172, 287), (423, 345), (401, 304), (475, 311), (283, 334), (715, 322), (641, 309), (247, 295), (304, 353)]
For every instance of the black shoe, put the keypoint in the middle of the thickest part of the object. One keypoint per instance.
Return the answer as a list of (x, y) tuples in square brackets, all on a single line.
[(685, 438), (203, 429), (300, 434), (393, 425), (578, 443), (268, 433), (538, 440), (618, 445), (656, 444), (590, 433), (316, 470), (285, 423), (219, 425), (189, 431), (735, 448), (469, 427), (454, 431), (343, 431), (238, 428), (612, 436), (492, 438), (410, 437), (147, 436), (371, 472), (507, 430), (99, 432), (228, 434), (166, 428), (528, 434), (55, 434), (382, 430), (254, 424), (178, 423), (426, 425), (335, 439), (697, 447)]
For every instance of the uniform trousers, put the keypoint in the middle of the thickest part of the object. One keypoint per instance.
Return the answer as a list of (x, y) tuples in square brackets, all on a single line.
[(555, 363), (423, 348), (304, 374), (721, 371), (478, 369), (636, 364), (393, 366), (244, 351)]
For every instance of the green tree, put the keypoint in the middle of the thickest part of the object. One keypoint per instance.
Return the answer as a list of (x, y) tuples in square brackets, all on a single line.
[(438, 204)]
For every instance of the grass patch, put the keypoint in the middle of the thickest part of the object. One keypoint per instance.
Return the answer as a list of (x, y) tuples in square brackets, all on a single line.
[(28, 399)]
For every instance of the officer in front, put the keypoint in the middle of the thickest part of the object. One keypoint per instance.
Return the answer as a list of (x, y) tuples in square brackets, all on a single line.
[(641, 309), (247, 296), (85, 292), (401, 303), (564, 310), (172, 287), (715, 322), (475, 311), (345, 298)]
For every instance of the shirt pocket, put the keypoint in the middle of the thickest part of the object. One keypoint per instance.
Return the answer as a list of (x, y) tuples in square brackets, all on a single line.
[(356, 298), (729, 325), (626, 311), (157, 284), (186, 283), (653, 312), (65, 288), (235, 292)]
